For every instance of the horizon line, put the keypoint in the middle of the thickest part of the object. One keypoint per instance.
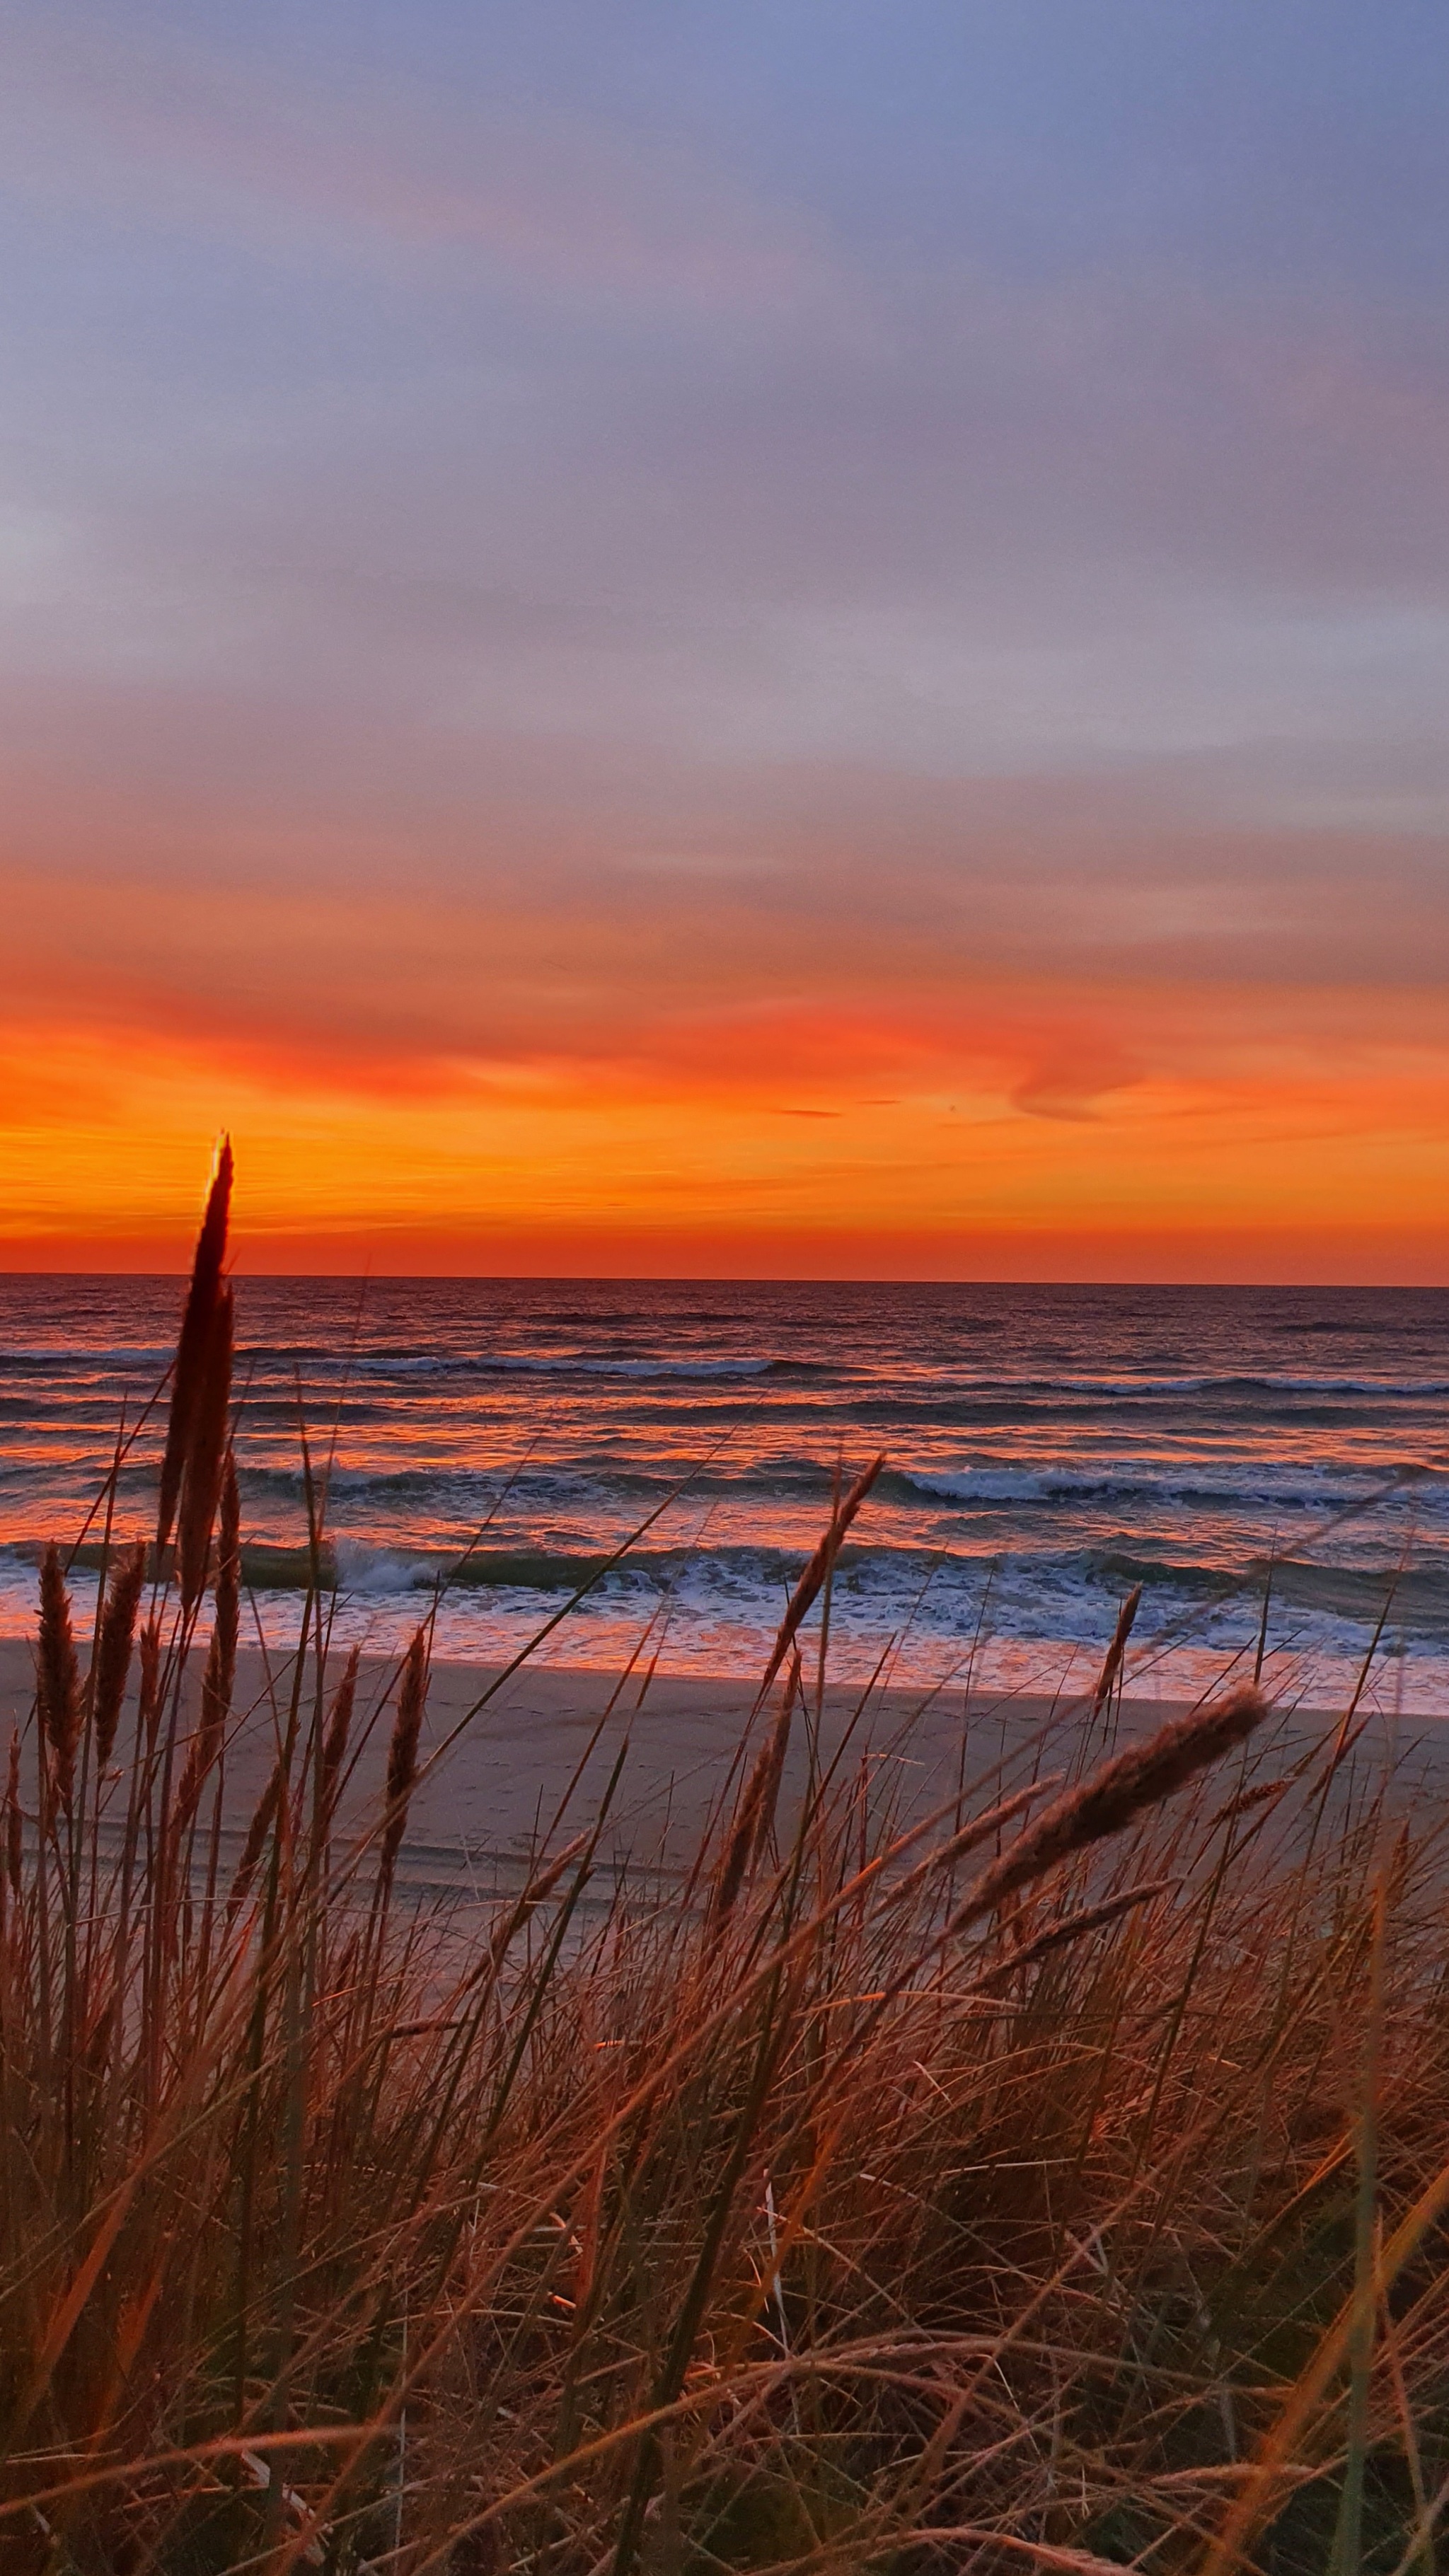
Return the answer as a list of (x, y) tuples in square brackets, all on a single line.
[(760, 1279)]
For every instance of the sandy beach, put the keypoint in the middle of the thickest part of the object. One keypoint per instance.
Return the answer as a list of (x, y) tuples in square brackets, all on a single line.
[(508, 1763)]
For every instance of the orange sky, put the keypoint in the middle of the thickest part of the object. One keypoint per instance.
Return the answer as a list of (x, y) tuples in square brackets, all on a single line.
[(478, 1093)]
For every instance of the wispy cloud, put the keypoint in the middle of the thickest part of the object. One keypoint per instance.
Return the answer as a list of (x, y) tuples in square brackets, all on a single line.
[(164, 127)]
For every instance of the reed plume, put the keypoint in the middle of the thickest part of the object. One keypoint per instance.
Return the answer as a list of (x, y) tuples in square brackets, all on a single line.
[(1112, 1664), (1075, 1927), (200, 1759), (195, 1340), (334, 1742), (769, 1797), (201, 1486), (1116, 1793), (402, 1753), (969, 1838), (148, 1696), (808, 1587), (257, 1832), (1261, 1794), (58, 1676), (113, 1652), (220, 1675), (218, 1678), (332, 1753), (537, 1892)]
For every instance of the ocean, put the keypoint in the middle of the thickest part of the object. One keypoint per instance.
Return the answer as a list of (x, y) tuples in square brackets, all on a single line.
[(485, 1444)]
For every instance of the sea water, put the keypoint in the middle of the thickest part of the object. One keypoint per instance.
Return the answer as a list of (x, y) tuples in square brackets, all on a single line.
[(485, 1446)]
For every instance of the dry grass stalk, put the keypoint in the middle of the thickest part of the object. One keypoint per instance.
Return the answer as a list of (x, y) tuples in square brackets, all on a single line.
[(14, 1821)]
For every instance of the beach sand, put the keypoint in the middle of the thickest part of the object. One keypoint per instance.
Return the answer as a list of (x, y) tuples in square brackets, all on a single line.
[(513, 1773)]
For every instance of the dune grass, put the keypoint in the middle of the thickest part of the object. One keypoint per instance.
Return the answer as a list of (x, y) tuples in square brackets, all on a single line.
[(1058, 2181)]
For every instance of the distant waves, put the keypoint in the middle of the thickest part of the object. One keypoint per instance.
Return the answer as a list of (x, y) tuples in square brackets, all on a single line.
[(490, 1445)]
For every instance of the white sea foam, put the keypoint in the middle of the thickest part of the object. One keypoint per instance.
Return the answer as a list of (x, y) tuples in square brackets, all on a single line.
[(379, 1571), (1176, 1481)]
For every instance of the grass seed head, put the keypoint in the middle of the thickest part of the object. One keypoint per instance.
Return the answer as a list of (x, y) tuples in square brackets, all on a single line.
[(195, 1337), (1112, 1664), (813, 1578), (339, 1728), (58, 1675), (257, 1832), (148, 1702), (402, 1752), (202, 1479), (216, 1689), (113, 1654), (1115, 1795)]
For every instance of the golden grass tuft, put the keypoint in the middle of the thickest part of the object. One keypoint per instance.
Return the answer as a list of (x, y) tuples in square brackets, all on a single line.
[(827, 2218)]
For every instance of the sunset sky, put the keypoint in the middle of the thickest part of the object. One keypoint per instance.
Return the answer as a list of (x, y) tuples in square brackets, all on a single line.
[(755, 637)]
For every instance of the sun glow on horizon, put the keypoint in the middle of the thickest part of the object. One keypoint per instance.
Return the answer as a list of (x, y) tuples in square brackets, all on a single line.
[(1228, 1149)]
